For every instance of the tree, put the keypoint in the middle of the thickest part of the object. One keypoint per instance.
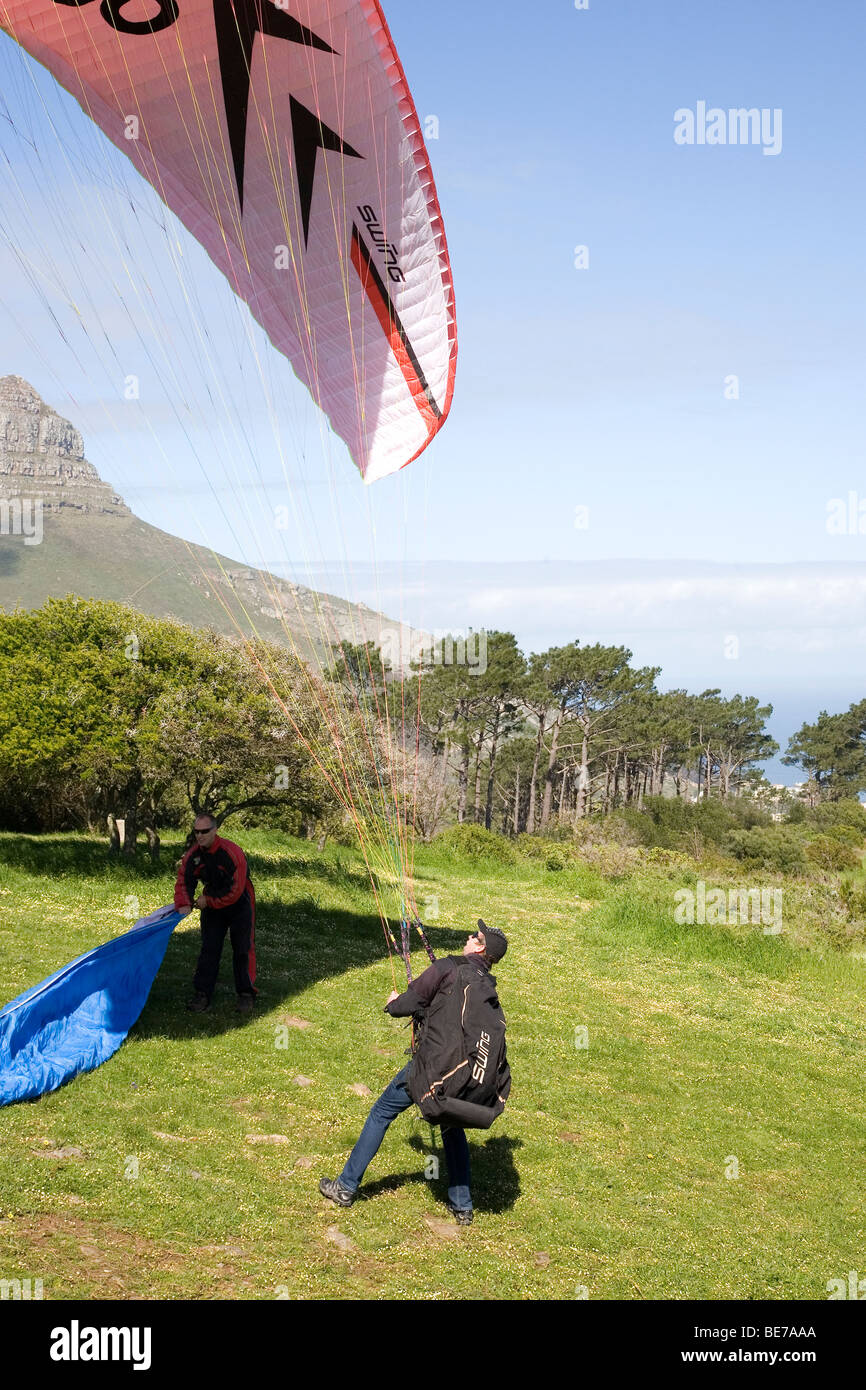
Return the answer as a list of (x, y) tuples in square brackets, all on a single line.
[(741, 740), (513, 778), (535, 698), (500, 688), (831, 751), (587, 686), (128, 709), (451, 702)]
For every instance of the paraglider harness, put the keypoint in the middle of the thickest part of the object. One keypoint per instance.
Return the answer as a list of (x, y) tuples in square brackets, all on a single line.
[(459, 1072)]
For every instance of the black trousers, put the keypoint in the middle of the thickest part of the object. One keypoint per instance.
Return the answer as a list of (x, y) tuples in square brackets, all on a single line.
[(239, 921)]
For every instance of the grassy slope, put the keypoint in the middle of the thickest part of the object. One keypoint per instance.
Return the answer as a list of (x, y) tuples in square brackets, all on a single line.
[(607, 1170), (128, 561)]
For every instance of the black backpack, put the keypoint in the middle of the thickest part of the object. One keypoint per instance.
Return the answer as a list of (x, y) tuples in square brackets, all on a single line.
[(460, 1073)]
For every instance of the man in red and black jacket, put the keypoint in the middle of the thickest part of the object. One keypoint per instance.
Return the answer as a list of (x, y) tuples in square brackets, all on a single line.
[(228, 903)]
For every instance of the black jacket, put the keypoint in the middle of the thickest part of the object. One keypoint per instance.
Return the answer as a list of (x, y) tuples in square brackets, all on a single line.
[(416, 1000)]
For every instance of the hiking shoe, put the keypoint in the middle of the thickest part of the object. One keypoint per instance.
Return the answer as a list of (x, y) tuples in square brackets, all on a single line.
[(334, 1190), (198, 1003), (463, 1215), (246, 1004)]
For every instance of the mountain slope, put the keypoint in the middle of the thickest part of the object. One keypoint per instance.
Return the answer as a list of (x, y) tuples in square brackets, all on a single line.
[(91, 544)]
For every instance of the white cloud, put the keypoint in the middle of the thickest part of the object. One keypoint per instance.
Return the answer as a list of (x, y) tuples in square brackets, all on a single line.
[(767, 597)]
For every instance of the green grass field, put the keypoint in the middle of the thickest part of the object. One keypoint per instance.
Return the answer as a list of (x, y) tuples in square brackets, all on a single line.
[(705, 1143)]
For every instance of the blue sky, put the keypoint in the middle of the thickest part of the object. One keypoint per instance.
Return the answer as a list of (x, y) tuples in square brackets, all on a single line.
[(600, 388)]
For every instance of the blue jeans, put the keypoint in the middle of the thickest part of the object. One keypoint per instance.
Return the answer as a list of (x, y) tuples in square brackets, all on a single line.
[(391, 1103)]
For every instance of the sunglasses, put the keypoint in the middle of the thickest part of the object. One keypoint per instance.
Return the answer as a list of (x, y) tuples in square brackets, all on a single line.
[(204, 832)]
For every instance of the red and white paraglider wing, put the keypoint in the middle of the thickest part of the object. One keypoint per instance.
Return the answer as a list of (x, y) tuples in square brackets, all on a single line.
[(285, 138)]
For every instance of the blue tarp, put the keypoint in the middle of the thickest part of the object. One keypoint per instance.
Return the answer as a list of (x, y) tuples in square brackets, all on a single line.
[(77, 1018)]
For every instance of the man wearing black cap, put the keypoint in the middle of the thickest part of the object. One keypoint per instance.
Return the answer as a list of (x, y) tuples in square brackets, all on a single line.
[(484, 948)]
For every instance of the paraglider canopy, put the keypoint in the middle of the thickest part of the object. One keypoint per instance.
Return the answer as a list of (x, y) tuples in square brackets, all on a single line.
[(285, 138), (77, 1018)]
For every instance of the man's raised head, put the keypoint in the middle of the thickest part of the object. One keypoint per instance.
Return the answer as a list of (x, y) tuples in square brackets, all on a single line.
[(489, 942)]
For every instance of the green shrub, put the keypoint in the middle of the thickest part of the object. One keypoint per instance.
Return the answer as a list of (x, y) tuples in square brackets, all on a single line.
[(611, 859), (854, 900), (472, 842), (835, 813), (604, 830), (557, 859), (554, 856), (658, 823), (768, 847), (668, 858), (532, 846), (747, 813), (675, 824), (847, 835), (831, 854)]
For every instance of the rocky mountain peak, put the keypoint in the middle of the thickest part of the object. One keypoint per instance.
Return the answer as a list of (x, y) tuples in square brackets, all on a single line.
[(42, 455), (18, 393)]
